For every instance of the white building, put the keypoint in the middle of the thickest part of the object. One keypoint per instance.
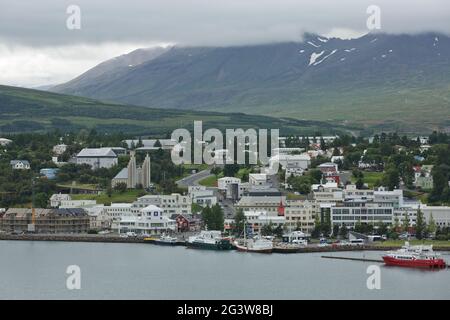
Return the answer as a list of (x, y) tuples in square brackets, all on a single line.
[(328, 192), (55, 199), (440, 214), (202, 196), (59, 149), (170, 204), (4, 142), (20, 164), (302, 161), (67, 204), (150, 220), (235, 191), (351, 212), (257, 179), (258, 219), (97, 157), (222, 183)]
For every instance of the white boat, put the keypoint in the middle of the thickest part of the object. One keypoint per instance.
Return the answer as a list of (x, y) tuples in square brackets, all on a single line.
[(255, 245)]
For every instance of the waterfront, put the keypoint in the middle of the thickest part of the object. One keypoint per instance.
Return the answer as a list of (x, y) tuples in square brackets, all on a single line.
[(31, 270)]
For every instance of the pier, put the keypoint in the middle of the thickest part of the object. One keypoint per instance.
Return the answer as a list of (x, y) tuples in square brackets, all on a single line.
[(354, 259)]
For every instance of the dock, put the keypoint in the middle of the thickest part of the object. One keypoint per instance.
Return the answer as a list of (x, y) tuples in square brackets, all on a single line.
[(354, 259)]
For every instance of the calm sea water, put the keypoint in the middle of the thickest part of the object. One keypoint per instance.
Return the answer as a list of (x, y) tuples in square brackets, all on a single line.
[(30, 270)]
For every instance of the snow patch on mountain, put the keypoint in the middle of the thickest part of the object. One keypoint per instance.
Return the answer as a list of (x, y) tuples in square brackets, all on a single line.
[(323, 59), (313, 44), (314, 57)]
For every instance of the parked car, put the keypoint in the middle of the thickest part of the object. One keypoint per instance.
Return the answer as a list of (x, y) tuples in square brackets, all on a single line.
[(131, 234)]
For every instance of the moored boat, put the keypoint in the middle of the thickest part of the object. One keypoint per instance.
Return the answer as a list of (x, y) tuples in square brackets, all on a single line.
[(414, 257), (210, 240), (255, 245), (166, 240)]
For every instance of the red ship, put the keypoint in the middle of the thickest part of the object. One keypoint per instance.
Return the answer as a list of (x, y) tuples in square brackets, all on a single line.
[(415, 257)]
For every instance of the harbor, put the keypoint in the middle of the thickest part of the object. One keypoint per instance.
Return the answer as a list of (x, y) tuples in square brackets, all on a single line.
[(279, 247), (143, 271)]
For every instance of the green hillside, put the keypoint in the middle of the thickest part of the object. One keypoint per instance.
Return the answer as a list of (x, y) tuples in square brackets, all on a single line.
[(26, 110)]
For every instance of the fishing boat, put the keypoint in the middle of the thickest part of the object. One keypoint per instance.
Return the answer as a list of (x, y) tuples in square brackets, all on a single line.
[(414, 257), (210, 240), (255, 245), (166, 240)]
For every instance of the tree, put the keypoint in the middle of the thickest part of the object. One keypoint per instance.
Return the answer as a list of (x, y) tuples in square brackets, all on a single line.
[(317, 227), (405, 223), (213, 217), (335, 230), (359, 183), (343, 231), (239, 220), (121, 187), (431, 229), (158, 144), (420, 225), (267, 229)]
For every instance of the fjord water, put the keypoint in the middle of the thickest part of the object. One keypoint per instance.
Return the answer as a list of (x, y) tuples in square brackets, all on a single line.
[(31, 270)]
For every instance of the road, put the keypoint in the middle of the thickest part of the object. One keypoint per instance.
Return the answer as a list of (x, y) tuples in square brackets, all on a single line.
[(194, 179)]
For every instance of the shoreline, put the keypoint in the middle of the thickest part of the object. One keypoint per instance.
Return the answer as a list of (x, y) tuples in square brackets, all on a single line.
[(117, 239)]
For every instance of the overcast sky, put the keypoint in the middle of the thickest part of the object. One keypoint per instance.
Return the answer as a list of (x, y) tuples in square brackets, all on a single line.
[(36, 48)]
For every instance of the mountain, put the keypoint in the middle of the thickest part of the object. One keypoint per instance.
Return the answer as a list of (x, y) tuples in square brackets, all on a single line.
[(27, 110), (395, 81), (110, 69)]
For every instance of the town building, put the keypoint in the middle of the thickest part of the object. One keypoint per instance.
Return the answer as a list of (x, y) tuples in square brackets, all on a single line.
[(20, 164), (55, 199), (134, 176), (301, 161), (300, 215), (170, 204), (187, 222), (4, 142), (256, 220), (66, 204), (149, 221), (327, 192), (150, 144), (235, 191), (97, 157), (261, 199), (349, 213), (46, 220), (222, 183), (202, 196), (422, 177), (59, 149), (257, 179)]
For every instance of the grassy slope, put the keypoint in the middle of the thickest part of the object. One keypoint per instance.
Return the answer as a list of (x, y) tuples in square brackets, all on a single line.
[(33, 110)]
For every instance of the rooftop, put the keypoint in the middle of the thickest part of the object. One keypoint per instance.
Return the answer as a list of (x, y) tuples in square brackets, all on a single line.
[(97, 152)]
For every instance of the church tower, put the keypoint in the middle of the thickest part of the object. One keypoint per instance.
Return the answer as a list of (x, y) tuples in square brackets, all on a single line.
[(132, 177), (146, 171)]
